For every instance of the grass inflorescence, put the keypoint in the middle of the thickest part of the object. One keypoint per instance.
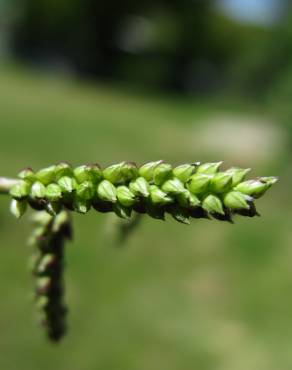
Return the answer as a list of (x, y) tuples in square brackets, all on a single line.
[(186, 191)]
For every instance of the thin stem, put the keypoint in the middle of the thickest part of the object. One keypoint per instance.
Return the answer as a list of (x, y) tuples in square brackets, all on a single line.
[(6, 184)]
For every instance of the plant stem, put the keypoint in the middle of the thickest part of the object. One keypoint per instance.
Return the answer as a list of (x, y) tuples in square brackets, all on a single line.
[(6, 184)]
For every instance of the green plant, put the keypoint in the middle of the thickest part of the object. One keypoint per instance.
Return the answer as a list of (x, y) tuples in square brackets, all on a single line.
[(187, 191)]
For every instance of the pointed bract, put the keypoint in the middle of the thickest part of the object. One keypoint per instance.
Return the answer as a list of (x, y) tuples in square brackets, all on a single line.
[(91, 173), (221, 182), (271, 180), (173, 186), (235, 200), (255, 188), (199, 183), (158, 196), (114, 173), (18, 207), (209, 168), (46, 175), (107, 191), (20, 190), (140, 187), (63, 169), (67, 184), (161, 173), (38, 190), (125, 196), (147, 170), (27, 174), (53, 193), (238, 174), (184, 172), (95, 173), (85, 190), (129, 172), (213, 204)]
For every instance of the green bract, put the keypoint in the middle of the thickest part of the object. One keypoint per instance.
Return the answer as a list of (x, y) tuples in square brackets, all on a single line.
[(38, 190), (114, 173), (209, 168), (53, 193), (147, 170), (46, 175), (235, 200), (63, 169), (199, 183), (155, 188), (184, 171), (213, 204), (238, 174), (158, 196), (140, 187), (125, 196), (106, 191), (67, 184), (18, 207), (161, 173), (173, 186)]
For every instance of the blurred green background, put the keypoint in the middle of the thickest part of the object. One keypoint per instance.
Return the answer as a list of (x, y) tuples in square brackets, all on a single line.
[(88, 81)]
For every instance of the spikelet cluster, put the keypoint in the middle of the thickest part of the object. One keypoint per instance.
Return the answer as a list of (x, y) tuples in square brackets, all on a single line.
[(48, 240), (155, 188)]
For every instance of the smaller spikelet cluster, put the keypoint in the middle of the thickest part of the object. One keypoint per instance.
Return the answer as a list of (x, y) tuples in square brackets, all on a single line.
[(48, 240), (187, 191)]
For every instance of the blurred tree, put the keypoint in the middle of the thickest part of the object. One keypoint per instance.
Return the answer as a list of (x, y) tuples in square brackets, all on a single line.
[(87, 34), (184, 45)]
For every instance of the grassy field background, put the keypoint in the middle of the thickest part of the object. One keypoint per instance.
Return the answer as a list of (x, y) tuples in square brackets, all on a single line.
[(207, 296)]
